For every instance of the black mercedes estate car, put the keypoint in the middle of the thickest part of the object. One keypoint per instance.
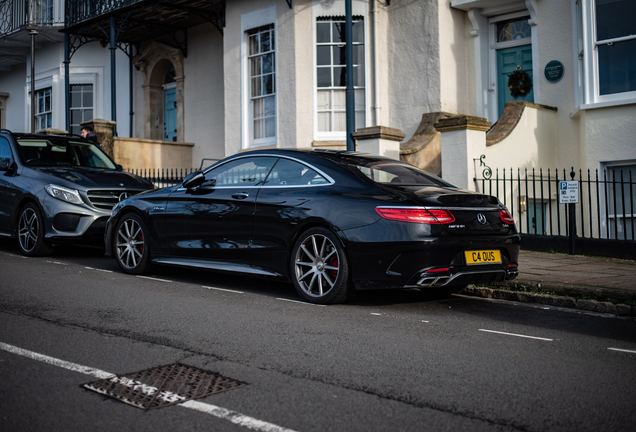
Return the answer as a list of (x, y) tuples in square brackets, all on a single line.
[(331, 222), (58, 188)]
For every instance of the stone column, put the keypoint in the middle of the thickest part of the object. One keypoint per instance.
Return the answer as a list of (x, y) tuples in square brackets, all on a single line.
[(380, 140), (463, 138), (104, 131)]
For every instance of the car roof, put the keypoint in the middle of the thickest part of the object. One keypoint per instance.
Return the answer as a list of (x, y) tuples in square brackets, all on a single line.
[(26, 135), (29, 135), (339, 156)]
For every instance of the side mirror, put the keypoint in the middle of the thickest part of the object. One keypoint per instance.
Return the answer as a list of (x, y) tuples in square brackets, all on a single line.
[(5, 164), (193, 180), (120, 168)]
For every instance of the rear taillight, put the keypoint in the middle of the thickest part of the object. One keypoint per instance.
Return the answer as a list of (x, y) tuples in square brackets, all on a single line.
[(506, 217), (416, 215), (437, 270)]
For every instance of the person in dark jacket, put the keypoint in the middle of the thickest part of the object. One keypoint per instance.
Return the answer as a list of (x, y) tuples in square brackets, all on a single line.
[(89, 134)]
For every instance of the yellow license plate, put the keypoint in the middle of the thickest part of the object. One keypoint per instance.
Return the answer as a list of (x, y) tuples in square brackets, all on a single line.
[(483, 257)]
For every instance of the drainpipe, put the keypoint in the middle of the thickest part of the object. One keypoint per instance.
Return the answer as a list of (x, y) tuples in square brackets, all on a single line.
[(351, 114), (376, 63), (113, 81), (67, 84), (130, 85), (32, 33)]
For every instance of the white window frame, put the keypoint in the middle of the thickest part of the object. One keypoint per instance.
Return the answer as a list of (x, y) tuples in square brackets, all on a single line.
[(250, 20), (81, 108), (94, 76), (606, 216), (587, 73), (39, 114), (334, 10)]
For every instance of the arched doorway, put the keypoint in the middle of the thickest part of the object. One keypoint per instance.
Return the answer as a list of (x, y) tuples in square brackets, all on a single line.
[(162, 69)]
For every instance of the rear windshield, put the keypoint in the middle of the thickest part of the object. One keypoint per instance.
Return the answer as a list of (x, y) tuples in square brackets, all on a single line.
[(398, 174), (59, 152)]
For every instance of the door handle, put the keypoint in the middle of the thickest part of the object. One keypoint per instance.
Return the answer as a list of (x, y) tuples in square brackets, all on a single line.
[(240, 195)]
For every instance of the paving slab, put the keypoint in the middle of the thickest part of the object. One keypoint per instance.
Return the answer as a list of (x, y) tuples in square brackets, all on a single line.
[(576, 276)]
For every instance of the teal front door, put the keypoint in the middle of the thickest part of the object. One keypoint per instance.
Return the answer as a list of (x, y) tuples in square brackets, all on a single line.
[(538, 217), (508, 60), (170, 115)]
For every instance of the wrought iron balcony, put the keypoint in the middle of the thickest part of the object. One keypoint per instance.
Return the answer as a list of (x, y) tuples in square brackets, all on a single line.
[(78, 11), (18, 15), (141, 20)]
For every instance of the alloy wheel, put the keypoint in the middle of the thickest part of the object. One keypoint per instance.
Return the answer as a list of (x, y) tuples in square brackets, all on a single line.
[(317, 265), (130, 243), (28, 229)]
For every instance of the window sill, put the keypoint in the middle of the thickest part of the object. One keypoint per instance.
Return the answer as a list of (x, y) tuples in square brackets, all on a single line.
[(606, 104)]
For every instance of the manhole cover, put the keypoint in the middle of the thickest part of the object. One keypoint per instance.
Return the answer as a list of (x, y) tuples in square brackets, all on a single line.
[(163, 385)]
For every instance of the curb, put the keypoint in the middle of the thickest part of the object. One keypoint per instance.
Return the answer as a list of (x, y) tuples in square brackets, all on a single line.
[(552, 300)]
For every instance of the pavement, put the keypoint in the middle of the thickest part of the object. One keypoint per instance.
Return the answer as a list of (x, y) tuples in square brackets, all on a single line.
[(598, 284)]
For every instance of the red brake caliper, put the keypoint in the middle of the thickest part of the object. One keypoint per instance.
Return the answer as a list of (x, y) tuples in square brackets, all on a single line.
[(334, 263)]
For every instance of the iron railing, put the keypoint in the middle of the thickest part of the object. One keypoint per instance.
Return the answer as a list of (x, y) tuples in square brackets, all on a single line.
[(605, 209), (13, 16), (163, 177), (16, 15), (78, 11)]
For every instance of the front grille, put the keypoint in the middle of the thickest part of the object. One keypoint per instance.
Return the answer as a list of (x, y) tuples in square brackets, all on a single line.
[(106, 199)]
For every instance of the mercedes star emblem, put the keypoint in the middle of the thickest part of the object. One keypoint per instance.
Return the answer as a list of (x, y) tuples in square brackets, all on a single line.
[(123, 196), (482, 219)]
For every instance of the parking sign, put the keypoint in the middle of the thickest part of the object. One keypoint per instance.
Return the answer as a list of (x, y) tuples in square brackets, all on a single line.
[(568, 192)]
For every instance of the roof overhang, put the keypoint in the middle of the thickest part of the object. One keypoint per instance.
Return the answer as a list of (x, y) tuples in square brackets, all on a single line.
[(490, 7)]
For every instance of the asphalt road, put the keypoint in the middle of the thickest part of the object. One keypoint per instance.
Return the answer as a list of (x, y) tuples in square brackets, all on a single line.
[(398, 360)]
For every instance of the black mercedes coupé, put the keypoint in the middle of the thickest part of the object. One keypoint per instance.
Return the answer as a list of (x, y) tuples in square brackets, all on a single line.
[(331, 222)]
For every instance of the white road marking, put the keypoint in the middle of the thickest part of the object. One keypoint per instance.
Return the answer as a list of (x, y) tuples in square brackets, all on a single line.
[(156, 279), (102, 270), (622, 350), (301, 302), (222, 289), (374, 313), (517, 335), (56, 362), (216, 411), (234, 417), (55, 262)]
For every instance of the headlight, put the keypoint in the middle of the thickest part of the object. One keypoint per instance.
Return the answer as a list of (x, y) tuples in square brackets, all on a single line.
[(69, 195)]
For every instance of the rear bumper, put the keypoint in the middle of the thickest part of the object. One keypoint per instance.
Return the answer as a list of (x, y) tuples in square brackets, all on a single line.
[(465, 277), (409, 264)]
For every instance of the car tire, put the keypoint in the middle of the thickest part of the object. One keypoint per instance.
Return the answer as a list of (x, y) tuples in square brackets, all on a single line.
[(320, 269), (131, 247), (31, 232)]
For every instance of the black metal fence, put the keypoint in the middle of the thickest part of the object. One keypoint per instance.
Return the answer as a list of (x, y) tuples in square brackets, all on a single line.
[(163, 177), (605, 209)]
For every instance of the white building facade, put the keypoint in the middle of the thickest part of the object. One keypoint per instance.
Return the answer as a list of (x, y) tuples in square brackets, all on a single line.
[(261, 73)]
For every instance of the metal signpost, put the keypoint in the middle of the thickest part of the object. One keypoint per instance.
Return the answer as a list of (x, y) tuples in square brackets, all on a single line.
[(569, 194)]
